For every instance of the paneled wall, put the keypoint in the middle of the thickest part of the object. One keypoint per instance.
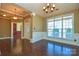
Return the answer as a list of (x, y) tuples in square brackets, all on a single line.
[(28, 28), (38, 28)]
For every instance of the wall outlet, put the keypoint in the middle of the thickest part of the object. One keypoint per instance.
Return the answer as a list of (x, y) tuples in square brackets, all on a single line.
[(75, 40)]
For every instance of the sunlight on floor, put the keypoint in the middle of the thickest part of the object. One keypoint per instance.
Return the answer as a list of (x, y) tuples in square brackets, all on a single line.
[(18, 48)]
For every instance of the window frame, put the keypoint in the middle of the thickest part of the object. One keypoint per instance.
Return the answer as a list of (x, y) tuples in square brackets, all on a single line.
[(53, 18)]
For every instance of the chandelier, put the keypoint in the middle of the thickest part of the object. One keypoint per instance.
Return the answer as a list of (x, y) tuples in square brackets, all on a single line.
[(49, 7)]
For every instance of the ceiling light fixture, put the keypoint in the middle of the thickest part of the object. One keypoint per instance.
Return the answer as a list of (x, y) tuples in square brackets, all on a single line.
[(4, 15), (49, 7), (33, 14), (15, 17)]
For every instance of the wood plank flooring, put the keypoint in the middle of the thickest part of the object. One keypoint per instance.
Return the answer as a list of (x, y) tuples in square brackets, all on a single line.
[(41, 48)]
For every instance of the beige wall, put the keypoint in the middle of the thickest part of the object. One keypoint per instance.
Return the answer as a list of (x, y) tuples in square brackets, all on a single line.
[(28, 28), (33, 24), (76, 21), (38, 24), (38, 28), (5, 27), (5, 30)]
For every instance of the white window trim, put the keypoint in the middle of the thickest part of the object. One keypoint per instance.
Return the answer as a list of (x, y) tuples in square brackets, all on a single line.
[(72, 14)]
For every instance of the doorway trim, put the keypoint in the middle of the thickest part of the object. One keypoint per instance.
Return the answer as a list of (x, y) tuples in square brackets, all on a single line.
[(12, 34), (12, 29)]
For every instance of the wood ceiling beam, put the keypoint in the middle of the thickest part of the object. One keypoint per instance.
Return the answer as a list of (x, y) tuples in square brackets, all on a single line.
[(11, 12)]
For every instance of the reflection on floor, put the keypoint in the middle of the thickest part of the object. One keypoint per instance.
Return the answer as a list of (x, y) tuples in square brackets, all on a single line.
[(54, 49), (18, 48), (41, 48)]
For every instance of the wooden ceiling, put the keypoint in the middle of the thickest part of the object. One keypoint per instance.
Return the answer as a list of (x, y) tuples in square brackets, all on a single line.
[(9, 10)]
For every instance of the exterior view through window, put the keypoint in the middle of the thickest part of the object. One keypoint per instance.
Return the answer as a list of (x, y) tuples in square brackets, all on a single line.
[(60, 27)]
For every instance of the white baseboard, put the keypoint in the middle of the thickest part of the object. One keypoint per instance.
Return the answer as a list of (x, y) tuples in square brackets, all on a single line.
[(33, 41), (25, 38), (64, 41), (6, 38)]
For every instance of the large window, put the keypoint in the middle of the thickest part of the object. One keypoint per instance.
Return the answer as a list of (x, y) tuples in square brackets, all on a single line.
[(50, 28), (60, 27), (67, 27)]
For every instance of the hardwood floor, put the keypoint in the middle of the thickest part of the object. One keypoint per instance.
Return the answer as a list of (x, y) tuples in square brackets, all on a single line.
[(41, 48), (5, 46)]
